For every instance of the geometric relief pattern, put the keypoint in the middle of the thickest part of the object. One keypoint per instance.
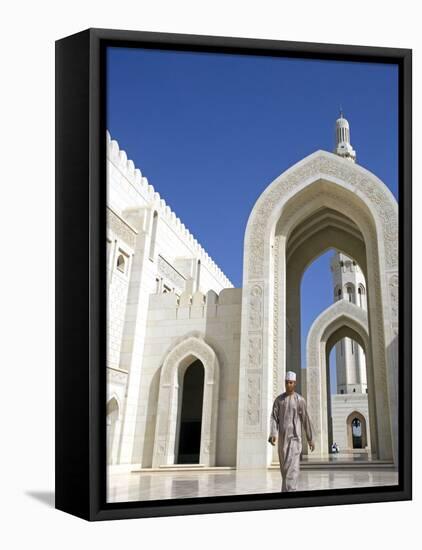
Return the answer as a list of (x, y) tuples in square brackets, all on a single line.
[(121, 228), (255, 360), (191, 346), (255, 351), (255, 308), (394, 296), (275, 315), (167, 270), (253, 400), (323, 164)]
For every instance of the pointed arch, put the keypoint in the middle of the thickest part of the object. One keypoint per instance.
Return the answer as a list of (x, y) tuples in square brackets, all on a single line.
[(358, 215), (342, 319), (113, 422), (116, 398), (178, 359), (350, 292), (362, 419)]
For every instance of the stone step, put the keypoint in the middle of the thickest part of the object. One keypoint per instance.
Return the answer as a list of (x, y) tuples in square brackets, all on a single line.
[(184, 468), (339, 465), (305, 465)]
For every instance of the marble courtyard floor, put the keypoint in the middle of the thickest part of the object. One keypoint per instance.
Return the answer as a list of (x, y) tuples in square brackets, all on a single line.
[(144, 485)]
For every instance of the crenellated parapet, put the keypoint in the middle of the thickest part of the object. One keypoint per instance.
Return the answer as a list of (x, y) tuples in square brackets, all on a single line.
[(134, 176), (198, 304)]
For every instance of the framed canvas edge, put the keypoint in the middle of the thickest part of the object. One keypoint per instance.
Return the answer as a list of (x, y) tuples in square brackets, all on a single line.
[(91, 421)]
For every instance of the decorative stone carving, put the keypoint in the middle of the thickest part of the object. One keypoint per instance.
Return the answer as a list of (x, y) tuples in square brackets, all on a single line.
[(332, 197), (394, 296), (166, 270), (254, 357), (337, 311), (253, 402), (122, 229), (116, 376), (323, 180), (275, 316), (191, 346), (255, 352), (255, 310), (318, 165), (161, 448)]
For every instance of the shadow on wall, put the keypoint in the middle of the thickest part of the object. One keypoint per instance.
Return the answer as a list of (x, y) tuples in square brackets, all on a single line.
[(150, 426)]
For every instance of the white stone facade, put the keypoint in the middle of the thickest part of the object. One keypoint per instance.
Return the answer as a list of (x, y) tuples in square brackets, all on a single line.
[(174, 319), (162, 286)]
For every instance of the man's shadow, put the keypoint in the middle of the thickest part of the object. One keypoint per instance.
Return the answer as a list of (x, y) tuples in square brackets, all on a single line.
[(46, 497)]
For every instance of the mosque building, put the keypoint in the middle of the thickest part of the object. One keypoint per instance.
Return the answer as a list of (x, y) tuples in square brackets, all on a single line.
[(194, 364)]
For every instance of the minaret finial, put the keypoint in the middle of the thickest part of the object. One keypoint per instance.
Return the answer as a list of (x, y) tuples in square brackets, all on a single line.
[(343, 146)]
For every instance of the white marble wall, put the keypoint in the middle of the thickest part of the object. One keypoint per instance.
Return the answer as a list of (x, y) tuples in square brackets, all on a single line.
[(163, 256), (214, 318), (120, 249)]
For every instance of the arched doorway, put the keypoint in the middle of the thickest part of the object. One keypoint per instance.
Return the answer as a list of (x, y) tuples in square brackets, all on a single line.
[(333, 203), (188, 439), (193, 352), (341, 320), (324, 230), (356, 431), (113, 430)]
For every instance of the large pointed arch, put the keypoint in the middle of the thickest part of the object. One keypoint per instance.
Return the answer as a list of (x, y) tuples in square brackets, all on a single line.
[(348, 199), (174, 366)]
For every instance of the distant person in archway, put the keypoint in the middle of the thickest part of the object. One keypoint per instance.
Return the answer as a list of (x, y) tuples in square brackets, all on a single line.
[(288, 415), (335, 448)]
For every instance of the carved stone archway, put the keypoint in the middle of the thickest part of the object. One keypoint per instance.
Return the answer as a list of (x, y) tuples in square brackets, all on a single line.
[(315, 236), (171, 377), (342, 319), (325, 184), (362, 419)]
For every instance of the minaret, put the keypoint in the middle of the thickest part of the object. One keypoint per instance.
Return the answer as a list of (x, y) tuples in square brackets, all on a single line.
[(343, 146), (349, 284)]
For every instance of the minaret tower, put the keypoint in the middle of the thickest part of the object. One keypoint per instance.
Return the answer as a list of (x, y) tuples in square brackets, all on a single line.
[(349, 284), (343, 146)]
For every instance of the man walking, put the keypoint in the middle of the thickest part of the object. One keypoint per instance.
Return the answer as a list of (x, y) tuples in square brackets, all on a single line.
[(288, 416)]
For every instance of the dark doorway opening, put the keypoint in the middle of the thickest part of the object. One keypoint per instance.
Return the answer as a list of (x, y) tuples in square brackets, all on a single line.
[(191, 414), (357, 433)]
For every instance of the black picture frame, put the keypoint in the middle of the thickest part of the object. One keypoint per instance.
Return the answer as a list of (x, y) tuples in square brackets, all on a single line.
[(80, 274)]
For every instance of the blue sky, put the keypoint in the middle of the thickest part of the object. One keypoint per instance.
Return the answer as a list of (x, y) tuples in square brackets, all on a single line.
[(211, 131)]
